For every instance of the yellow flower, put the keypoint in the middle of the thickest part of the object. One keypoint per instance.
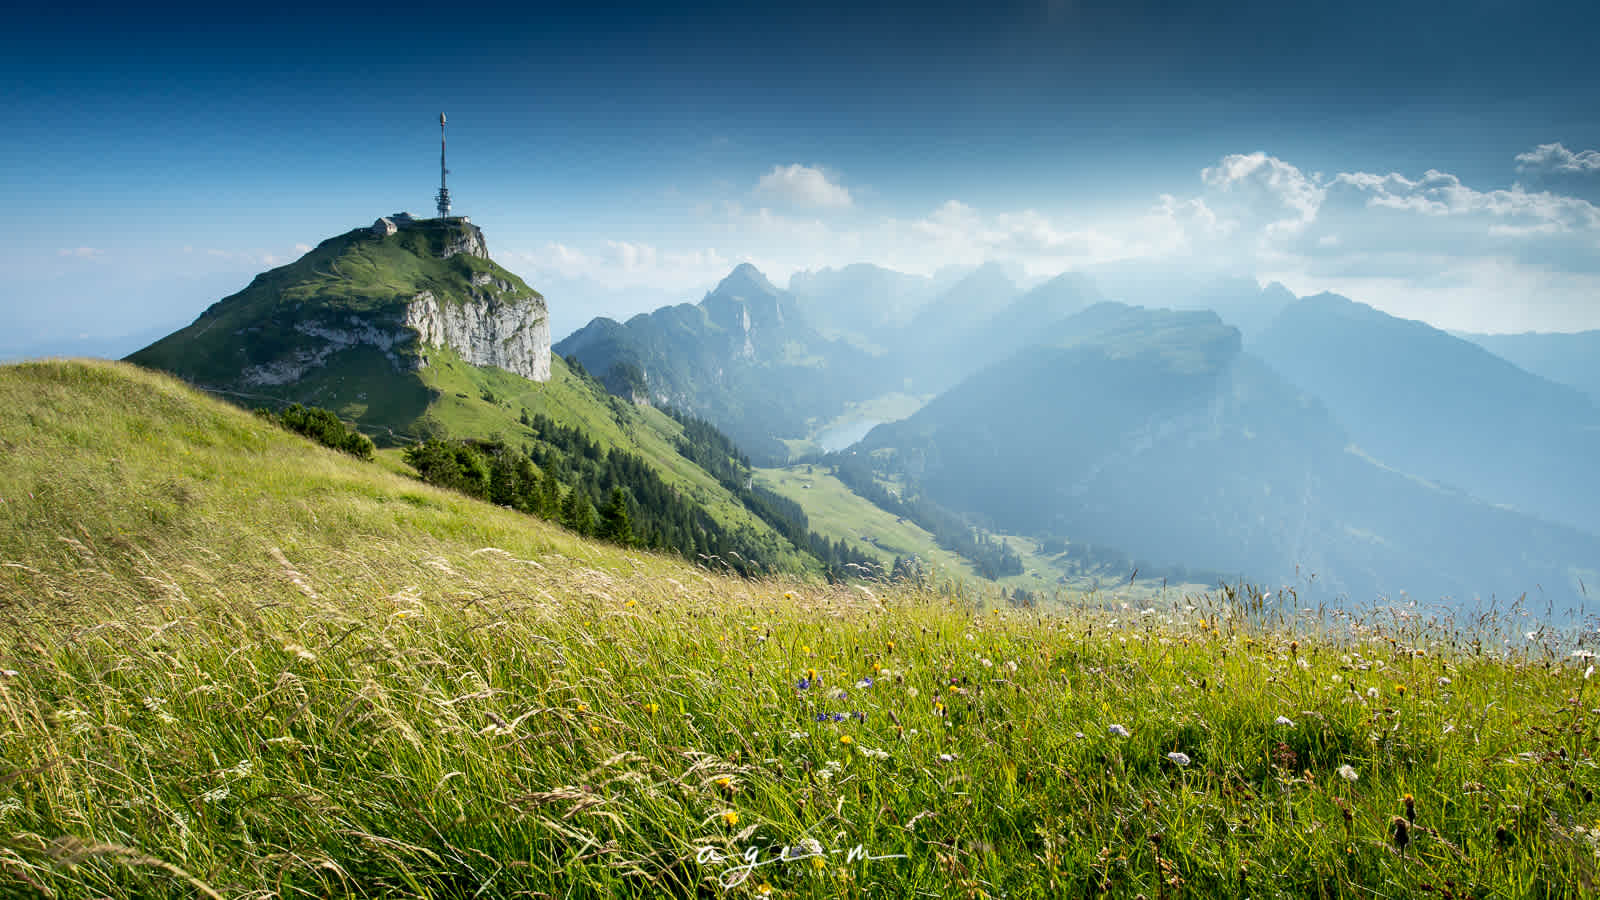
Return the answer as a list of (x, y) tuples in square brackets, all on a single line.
[(594, 730), (846, 739), (764, 889), (631, 604), (583, 707), (652, 708), (730, 818), (725, 783), (806, 649), (818, 863)]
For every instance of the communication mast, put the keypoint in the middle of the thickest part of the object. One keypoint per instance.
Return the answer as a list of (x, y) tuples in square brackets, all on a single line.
[(444, 192)]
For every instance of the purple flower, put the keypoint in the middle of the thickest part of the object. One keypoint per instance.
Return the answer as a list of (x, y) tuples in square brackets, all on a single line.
[(838, 717), (804, 684), (822, 717)]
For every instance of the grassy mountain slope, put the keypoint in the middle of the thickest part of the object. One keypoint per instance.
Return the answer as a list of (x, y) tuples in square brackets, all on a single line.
[(343, 304), (233, 663), (353, 280)]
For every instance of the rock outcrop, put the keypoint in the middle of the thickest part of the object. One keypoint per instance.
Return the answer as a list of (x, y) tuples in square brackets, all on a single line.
[(498, 330)]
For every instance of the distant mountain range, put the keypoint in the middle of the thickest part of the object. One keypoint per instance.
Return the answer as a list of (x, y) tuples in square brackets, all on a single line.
[(1153, 431), (744, 357), (1443, 408), (1569, 359), (1245, 433)]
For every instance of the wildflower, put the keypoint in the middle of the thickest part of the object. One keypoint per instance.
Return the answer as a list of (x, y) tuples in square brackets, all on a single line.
[(1400, 689), (764, 889), (846, 739), (631, 604), (1372, 693), (652, 708), (811, 675), (806, 649), (1402, 834), (947, 757), (1348, 772), (1284, 721), (987, 664), (1182, 759), (1119, 731), (730, 818), (1411, 808), (889, 646), (1443, 681), (594, 730), (1587, 672), (873, 754), (864, 683), (725, 783), (838, 717), (803, 684)]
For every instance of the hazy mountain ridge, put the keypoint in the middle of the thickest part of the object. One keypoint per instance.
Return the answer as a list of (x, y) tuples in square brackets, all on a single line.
[(1153, 432), (745, 357), (1569, 359), (1437, 406)]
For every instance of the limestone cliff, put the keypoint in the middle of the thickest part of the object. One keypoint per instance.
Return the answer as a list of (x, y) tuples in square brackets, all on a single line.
[(496, 328)]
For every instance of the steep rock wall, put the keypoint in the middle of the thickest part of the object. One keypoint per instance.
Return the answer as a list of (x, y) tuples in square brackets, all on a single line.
[(495, 329)]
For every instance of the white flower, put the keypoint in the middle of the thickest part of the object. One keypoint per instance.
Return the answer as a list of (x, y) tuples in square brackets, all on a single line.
[(947, 757), (1444, 681), (1179, 758), (1348, 772), (873, 754), (1283, 720), (1372, 693), (986, 663), (1119, 731), (1587, 672)]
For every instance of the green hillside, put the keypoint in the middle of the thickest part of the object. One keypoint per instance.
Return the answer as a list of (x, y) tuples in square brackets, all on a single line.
[(236, 664), (354, 280)]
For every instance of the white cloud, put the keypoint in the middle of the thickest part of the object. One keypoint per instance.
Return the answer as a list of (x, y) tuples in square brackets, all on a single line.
[(1254, 191), (1556, 158), (1555, 168), (802, 187)]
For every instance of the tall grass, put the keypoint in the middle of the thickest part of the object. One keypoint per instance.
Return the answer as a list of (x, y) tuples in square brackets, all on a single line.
[(233, 664)]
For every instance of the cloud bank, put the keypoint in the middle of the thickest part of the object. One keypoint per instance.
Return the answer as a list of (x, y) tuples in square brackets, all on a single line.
[(1426, 245)]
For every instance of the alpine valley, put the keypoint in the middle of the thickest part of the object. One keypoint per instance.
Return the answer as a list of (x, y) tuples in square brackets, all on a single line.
[(1042, 435)]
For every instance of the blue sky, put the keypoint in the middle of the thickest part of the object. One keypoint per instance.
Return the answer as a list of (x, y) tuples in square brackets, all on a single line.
[(621, 156)]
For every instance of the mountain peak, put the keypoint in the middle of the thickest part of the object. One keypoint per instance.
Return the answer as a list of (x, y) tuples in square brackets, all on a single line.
[(745, 279)]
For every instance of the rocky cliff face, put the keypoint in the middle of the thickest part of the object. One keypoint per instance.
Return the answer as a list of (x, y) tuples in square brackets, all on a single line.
[(497, 328)]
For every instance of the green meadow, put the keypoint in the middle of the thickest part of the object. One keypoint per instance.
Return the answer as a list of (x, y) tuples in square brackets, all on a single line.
[(235, 664)]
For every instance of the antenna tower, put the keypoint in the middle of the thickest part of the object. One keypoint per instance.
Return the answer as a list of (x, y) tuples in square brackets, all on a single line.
[(444, 192)]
